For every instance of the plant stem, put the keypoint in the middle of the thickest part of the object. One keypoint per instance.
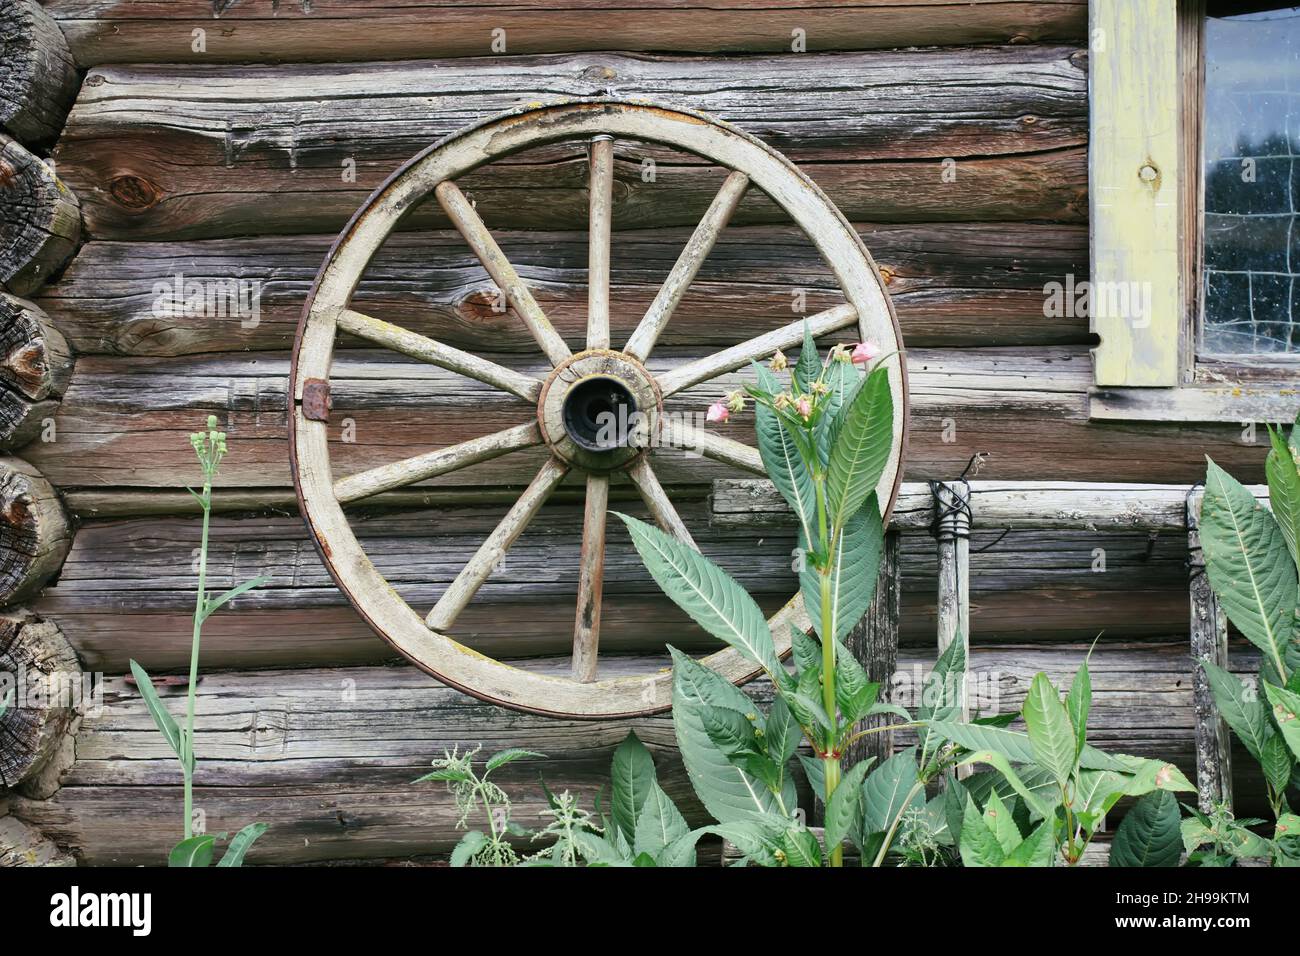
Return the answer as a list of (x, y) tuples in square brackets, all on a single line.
[(898, 818), (200, 602), (831, 762)]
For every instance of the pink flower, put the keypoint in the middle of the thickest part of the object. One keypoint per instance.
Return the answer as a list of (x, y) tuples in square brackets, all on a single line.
[(718, 412), (803, 405), (865, 352)]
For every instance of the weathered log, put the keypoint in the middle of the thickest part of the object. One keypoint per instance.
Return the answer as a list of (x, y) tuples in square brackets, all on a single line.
[(41, 222), (43, 685), (38, 78), (35, 368), (265, 740), (955, 284), (127, 587), (128, 31), (1063, 505), (34, 534), (124, 422), (21, 845), (296, 149)]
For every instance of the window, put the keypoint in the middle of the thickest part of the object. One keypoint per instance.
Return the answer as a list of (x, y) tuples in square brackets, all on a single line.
[(1195, 201), (1250, 122)]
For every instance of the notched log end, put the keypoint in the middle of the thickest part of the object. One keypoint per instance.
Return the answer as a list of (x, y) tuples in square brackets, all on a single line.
[(42, 220), (35, 367), (42, 682), (38, 78), (34, 533)]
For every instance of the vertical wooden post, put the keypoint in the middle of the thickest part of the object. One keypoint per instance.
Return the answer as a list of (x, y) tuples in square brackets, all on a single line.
[(874, 642), (1209, 639), (952, 534)]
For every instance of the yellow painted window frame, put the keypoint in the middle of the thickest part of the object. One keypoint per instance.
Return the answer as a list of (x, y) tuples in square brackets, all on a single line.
[(1144, 91)]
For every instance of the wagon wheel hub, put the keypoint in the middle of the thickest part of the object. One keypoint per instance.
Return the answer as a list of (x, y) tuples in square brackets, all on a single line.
[(599, 410)]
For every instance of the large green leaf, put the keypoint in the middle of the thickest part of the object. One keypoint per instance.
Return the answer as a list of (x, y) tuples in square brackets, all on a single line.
[(193, 852), (941, 696), (658, 825), (861, 449), (1042, 807), (464, 850), (855, 565), (503, 757), (1150, 833), (1036, 849), (979, 845), (844, 813), (801, 848), (727, 792), (1239, 706), (808, 367), (885, 791), (1050, 734), (631, 774), (781, 733), (781, 459), (1000, 821), (842, 378), (1016, 746), (1286, 714), (704, 591), (1248, 564), (1282, 470), (1077, 702), (240, 844), (162, 718)]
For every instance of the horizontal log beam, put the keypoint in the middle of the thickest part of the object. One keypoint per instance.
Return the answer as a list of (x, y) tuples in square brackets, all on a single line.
[(127, 587), (129, 31), (124, 422), (1020, 505), (994, 133), (951, 284), (265, 740)]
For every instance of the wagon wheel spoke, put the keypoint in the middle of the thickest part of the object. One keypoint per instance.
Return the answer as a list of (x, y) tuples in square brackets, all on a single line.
[(712, 445), (688, 264), (431, 464), (591, 576), (599, 223), (437, 353), (472, 227), (657, 500), (730, 359), (493, 550)]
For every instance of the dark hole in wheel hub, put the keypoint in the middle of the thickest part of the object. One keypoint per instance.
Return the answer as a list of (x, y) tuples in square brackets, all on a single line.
[(599, 413)]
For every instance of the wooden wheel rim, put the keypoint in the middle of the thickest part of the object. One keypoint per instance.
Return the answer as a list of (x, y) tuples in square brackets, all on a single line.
[(356, 576)]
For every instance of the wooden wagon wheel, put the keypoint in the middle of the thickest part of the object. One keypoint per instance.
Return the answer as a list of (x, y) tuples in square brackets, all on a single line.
[(581, 385)]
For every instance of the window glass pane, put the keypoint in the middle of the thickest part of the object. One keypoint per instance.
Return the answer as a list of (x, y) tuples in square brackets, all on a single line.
[(1251, 296)]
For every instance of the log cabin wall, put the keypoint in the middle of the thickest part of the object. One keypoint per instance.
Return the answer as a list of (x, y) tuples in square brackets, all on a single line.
[(221, 141)]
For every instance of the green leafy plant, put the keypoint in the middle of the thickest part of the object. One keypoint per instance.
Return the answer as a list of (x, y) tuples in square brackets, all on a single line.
[(1062, 787), (473, 790), (642, 828), (197, 849), (1252, 558), (1219, 839), (825, 436)]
